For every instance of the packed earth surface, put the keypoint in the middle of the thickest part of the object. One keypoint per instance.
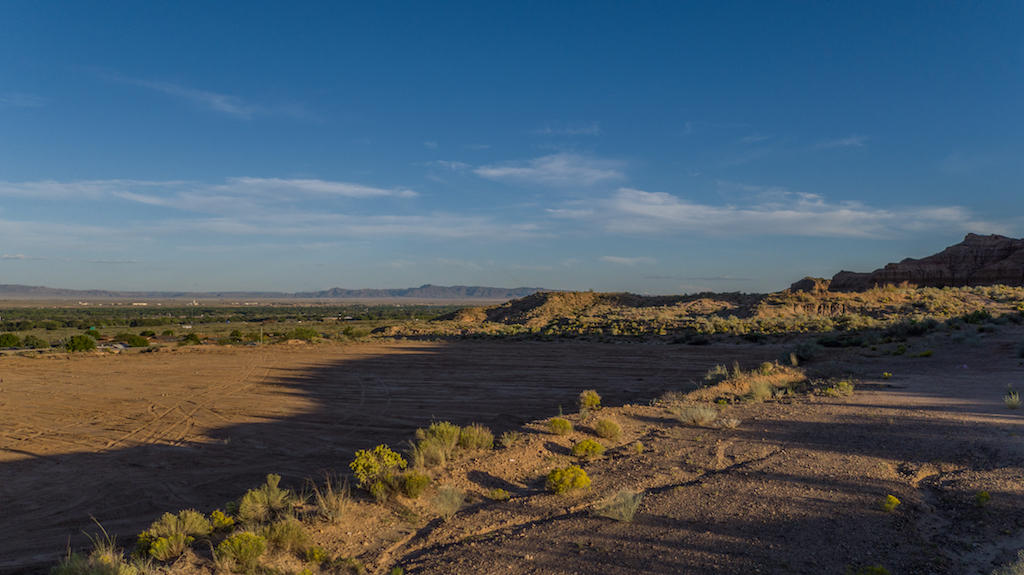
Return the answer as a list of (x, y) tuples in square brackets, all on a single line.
[(796, 484)]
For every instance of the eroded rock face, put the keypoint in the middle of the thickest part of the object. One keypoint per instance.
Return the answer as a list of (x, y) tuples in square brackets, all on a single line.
[(978, 260), (810, 284)]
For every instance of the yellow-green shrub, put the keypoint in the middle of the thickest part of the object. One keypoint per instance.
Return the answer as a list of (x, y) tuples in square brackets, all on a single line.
[(476, 436), (587, 448), (242, 550), (376, 467), (565, 479), (560, 426), (589, 399), (607, 429)]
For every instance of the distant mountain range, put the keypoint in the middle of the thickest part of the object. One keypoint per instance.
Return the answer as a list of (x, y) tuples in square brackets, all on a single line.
[(423, 292)]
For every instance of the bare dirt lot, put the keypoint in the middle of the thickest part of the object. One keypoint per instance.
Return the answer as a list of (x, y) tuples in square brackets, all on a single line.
[(124, 438)]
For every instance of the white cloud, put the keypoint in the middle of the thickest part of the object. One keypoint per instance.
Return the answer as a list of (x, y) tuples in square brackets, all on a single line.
[(587, 129), (754, 139), (21, 257), (450, 165), (853, 141), (19, 100), (430, 145), (624, 261), (558, 170), (631, 211), (316, 187)]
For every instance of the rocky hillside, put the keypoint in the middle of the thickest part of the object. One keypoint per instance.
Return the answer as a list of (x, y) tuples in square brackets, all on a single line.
[(976, 261)]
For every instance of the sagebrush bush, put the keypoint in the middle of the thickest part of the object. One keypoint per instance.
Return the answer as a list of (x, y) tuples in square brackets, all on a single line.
[(169, 547), (1012, 399), (476, 437), (499, 494), (842, 388), (760, 390), (429, 452), (266, 502), (241, 551), (448, 501), (288, 535), (589, 400), (890, 503), (565, 479), (587, 448), (168, 537), (607, 429), (376, 467), (444, 432), (694, 414), (221, 521), (317, 554), (560, 426), (637, 447), (622, 506), (106, 558), (414, 484)]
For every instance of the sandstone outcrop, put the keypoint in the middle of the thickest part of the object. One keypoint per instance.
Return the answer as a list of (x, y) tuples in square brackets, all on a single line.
[(978, 260)]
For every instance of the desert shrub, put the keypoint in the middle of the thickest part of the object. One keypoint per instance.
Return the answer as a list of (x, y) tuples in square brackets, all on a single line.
[(221, 521), (499, 494), (189, 522), (622, 506), (375, 470), (728, 423), (169, 547), (476, 437), (607, 429), (760, 390), (982, 498), (1012, 399), (448, 501), (288, 535), (716, 374), (637, 447), (694, 414), (80, 343), (841, 388), (429, 452), (266, 502), (414, 484), (9, 340), (317, 554), (509, 438), (331, 503), (304, 333), (445, 433), (106, 558), (35, 342), (565, 479), (132, 340), (589, 399), (190, 339), (559, 426), (890, 503), (1014, 568), (348, 565), (587, 448), (167, 333), (241, 551)]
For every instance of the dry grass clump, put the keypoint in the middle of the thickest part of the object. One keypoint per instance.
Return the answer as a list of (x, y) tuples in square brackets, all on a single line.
[(560, 426), (475, 437), (510, 438), (622, 506), (435, 445), (288, 535), (694, 414), (448, 501), (607, 429), (106, 558), (414, 484), (331, 504), (759, 383), (1012, 399), (587, 448), (168, 537)]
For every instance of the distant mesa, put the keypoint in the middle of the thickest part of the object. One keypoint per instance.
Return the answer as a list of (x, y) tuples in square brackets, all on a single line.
[(976, 261)]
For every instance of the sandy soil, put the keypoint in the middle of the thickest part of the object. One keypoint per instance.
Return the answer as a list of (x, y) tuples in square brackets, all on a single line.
[(124, 438)]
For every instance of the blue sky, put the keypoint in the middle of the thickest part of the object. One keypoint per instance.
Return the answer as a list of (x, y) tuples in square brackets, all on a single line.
[(654, 147)]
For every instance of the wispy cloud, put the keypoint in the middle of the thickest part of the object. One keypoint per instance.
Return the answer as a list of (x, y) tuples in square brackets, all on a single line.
[(430, 145), (627, 261), (754, 139), (18, 257), (451, 165), (587, 129), (221, 103), (558, 170), (853, 141), (20, 100), (631, 211)]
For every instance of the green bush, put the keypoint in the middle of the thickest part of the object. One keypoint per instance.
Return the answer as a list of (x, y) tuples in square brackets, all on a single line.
[(607, 429), (266, 502), (304, 333), (414, 484), (190, 338), (169, 547), (565, 479), (509, 438), (890, 503), (476, 437), (589, 399), (132, 340), (560, 426), (587, 448), (34, 342), (9, 340), (317, 555), (435, 444), (499, 494), (241, 550), (80, 343), (221, 521), (376, 467)]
